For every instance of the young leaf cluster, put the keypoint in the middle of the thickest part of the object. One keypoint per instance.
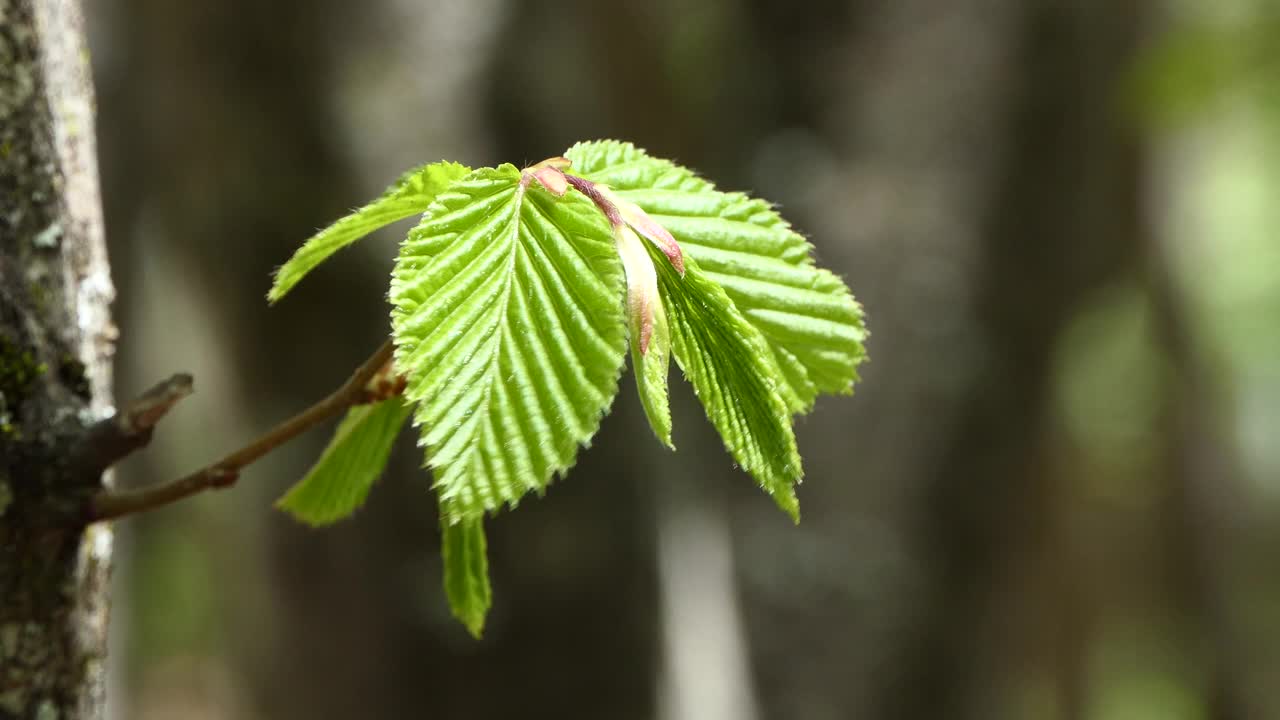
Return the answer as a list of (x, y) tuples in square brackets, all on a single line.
[(518, 296)]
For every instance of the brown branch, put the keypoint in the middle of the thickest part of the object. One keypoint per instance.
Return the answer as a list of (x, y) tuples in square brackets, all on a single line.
[(110, 440), (223, 473)]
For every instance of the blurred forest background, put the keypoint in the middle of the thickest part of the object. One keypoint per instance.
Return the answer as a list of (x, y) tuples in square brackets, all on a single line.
[(1056, 494)]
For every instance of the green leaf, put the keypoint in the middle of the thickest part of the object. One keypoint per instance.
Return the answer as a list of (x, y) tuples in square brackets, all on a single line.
[(410, 195), (650, 369), (728, 364), (648, 330), (812, 326), (339, 482), (508, 323), (466, 572)]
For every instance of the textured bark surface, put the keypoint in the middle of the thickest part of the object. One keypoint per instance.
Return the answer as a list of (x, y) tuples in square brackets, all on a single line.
[(55, 346)]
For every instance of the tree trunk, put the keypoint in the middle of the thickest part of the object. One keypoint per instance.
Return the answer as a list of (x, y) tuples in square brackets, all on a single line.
[(55, 372)]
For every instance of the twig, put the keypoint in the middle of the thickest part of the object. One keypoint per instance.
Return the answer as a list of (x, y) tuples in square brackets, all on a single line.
[(225, 472), (114, 438)]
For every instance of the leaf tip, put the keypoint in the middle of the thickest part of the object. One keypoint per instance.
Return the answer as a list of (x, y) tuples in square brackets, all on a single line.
[(279, 288), (789, 504), (466, 577), (474, 625), (289, 505)]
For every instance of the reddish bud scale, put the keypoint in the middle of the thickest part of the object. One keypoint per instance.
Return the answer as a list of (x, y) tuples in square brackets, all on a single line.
[(627, 219), (558, 162), (384, 385), (642, 284), (651, 229), (588, 188), (549, 173), (552, 179)]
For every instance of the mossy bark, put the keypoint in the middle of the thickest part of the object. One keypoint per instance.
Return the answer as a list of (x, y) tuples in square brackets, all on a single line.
[(55, 346)]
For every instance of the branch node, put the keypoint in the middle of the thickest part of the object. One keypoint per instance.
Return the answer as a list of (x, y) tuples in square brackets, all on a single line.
[(223, 477), (363, 386), (149, 407), (112, 439)]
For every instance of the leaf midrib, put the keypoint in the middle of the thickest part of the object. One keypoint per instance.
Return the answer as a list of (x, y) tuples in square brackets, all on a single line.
[(493, 362)]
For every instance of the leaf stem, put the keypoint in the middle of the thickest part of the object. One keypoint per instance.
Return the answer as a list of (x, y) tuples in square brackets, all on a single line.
[(110, 504)]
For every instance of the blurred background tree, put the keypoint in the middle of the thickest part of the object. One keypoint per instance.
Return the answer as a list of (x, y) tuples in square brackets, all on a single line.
[(1053, 497)]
